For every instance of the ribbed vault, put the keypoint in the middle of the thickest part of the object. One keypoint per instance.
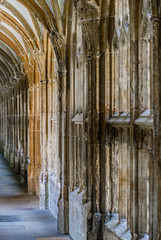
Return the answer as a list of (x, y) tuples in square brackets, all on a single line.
[(23, 27)]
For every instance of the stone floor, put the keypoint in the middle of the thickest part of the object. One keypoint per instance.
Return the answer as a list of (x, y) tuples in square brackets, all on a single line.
[(20, 216)]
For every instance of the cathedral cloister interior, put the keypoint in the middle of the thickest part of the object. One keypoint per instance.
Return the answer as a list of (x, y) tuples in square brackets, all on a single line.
[(80, 112)]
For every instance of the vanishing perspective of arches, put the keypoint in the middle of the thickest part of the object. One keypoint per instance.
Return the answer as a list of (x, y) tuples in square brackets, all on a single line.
[(80, 115)]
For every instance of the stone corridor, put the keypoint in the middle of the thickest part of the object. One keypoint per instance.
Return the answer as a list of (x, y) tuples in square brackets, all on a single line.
[(20, 216), (80, 119)]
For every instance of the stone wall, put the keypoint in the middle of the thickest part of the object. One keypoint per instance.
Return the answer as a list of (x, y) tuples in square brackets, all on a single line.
[(80, 113), (54, 195), (79, 213)]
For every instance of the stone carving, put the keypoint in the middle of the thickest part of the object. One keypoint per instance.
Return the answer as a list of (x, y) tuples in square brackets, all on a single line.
[(89, 17)]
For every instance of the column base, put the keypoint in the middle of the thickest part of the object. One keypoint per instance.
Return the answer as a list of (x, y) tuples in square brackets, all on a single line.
[(17, 163), (31, 186), (63, 216), (12, 160), (94, 227)]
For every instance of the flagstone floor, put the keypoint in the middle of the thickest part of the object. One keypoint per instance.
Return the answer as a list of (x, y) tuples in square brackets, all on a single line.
[(20, 216)]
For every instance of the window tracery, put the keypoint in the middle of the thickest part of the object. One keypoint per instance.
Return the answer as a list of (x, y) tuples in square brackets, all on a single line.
[(145, 89)]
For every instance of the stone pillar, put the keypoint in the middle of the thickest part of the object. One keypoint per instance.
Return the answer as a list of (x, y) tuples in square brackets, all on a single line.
[(63, 204), (17, 131), (93, 145), (134, 131), (22, 128), (155, 228), (43, 141), (31, 115), (12, 124)]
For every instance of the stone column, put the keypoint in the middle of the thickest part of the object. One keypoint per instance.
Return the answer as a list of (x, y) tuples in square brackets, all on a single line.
[(43, 141), (63, 204), (155, 229), (22, 128), (12, 156), (17, 130), (5, 130), (134, 131), (31, 139), (93, 144)]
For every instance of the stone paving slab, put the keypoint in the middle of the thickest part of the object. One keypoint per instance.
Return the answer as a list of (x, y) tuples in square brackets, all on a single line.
[(55, 238), (20, 216)]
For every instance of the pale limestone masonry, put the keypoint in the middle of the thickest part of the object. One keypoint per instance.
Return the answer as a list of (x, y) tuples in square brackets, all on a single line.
[(79, 212), (80, 112)]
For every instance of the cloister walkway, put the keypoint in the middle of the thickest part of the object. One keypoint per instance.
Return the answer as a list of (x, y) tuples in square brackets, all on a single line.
[(20, 216)]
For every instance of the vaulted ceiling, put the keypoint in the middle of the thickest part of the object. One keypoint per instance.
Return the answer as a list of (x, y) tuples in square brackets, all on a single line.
[(23, 25)]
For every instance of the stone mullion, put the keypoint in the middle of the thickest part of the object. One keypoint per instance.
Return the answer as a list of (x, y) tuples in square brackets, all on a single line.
[(93, 142), (121, 203), (77, 157), (128, 179), (74, 156), (104, 85), (134, 74), (82, 158), (94, 135), (72, 127), (49, 135), (84, 128), (49, 143), (151, 191), (90, 135)]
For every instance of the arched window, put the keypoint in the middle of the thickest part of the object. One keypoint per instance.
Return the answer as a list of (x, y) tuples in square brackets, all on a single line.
[(120, 60), (144, 58)]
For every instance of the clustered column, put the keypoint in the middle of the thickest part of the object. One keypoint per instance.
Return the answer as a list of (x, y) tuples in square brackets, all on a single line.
[(13, 126)]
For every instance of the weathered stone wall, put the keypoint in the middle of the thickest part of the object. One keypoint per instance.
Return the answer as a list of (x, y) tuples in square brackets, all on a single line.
[(13, 127), (79, 213), (81, 118)]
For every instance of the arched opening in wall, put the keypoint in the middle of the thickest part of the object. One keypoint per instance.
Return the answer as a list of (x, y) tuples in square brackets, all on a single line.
[(145, 46), (29, 115)]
